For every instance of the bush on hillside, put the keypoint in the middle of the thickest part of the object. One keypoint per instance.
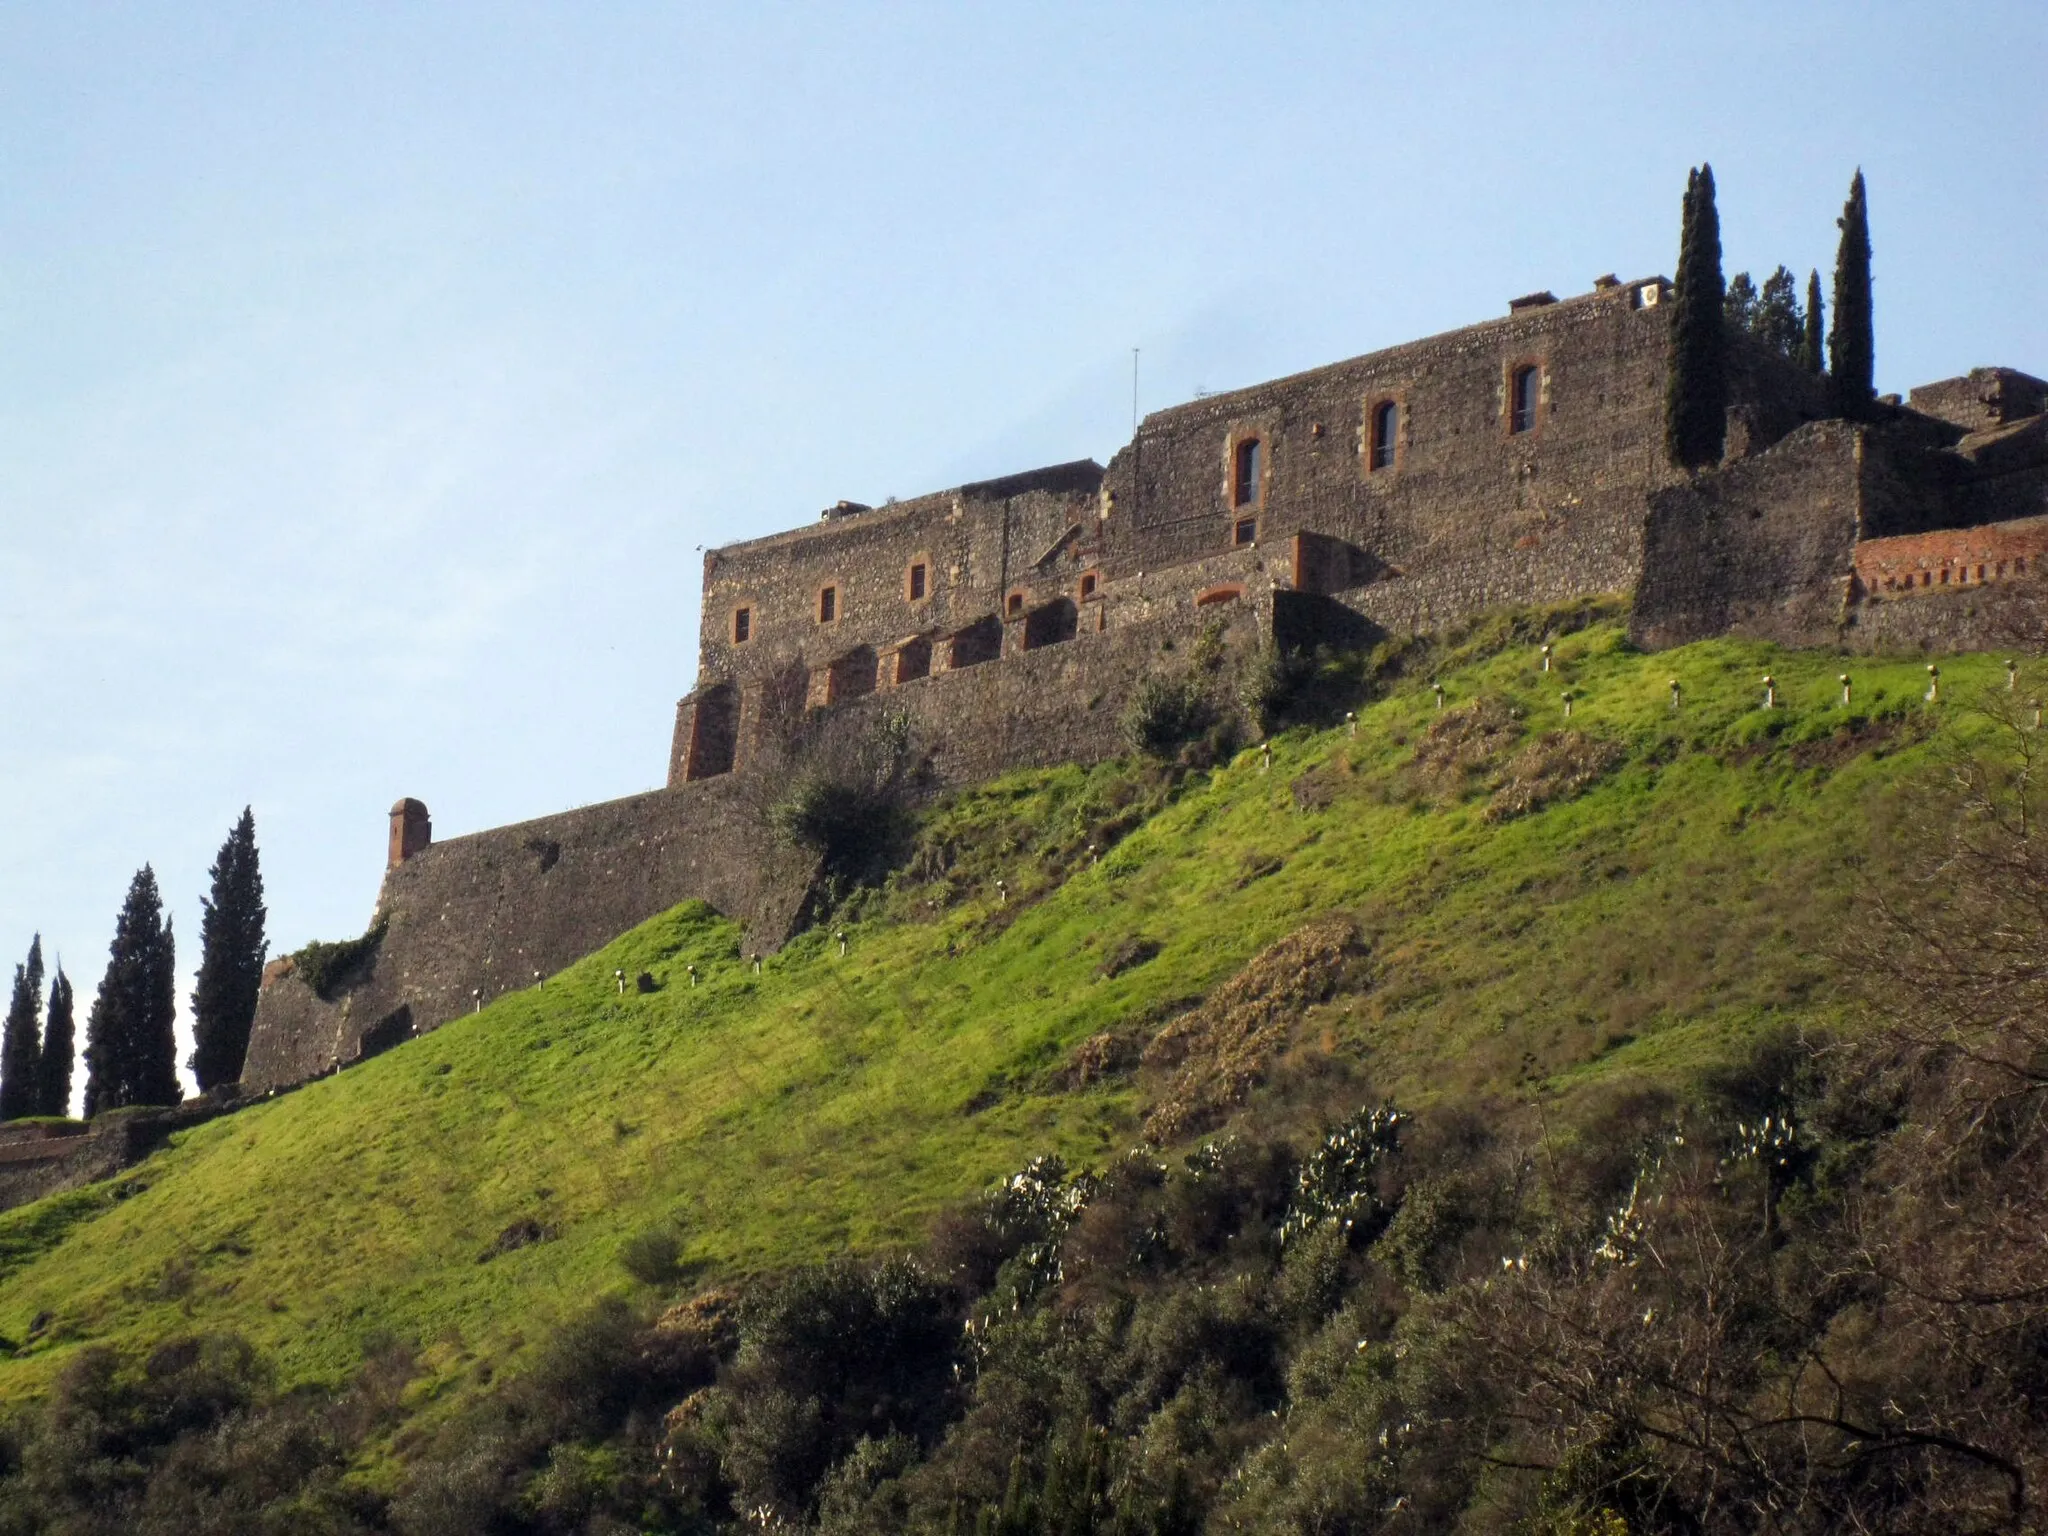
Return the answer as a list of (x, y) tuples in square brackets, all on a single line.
[(1168, 714)]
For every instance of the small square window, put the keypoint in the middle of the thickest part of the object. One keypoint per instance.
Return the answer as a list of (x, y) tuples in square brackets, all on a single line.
[(917, 582), (1087, 586), (1016, 605), (828, 604), (1246, 533), (1244, 484), (742, 625)]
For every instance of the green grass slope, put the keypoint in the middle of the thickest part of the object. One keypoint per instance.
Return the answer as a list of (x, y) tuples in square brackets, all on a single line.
[(831, 1102)]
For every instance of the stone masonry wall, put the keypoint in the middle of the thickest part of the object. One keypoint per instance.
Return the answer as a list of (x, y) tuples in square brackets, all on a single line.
[(481, 914), (1761, 548)]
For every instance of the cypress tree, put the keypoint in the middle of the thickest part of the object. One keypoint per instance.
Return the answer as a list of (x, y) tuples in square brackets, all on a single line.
[(53, 1085), (21, 1039), (130, 1048), (231, 953), (1813, 354), (1852, 346), (1696, 398)]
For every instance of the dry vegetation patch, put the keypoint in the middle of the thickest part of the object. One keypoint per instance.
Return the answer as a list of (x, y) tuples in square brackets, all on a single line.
[(1556, 766), (1217, 1052), (1460, 749)]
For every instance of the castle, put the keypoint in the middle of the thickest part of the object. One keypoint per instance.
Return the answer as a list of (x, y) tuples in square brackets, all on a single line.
[(1516, 461)]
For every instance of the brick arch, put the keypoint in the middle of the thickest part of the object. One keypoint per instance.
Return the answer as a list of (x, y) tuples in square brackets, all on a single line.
[(1222, 592)]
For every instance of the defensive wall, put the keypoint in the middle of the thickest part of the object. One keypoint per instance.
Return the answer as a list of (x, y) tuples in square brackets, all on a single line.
[(1011, 620)]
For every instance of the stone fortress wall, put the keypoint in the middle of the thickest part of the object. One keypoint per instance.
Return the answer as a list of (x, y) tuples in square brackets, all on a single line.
[(1516, 461)]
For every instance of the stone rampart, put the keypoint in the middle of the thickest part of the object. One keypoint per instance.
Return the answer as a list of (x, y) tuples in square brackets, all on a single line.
[(1759, 548), (472, 918)]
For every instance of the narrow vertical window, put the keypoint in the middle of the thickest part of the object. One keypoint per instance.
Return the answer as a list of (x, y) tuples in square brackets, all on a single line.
[(1016, 604), (1386, 422), (828, 604), (917, 582), (1245, 474), (742, 625), (1087, 586), (1522, 395)]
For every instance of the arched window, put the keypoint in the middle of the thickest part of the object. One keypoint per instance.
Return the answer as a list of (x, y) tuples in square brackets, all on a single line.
[(1525, 387), (1244, 480), (1385, 424)]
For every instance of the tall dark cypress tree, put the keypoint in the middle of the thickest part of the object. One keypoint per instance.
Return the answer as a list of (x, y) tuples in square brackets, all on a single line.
[(53, 1077), (1696, 398), (232, 948), (21, 1039), (131, 1051), (1813, 351), (1852, 344)]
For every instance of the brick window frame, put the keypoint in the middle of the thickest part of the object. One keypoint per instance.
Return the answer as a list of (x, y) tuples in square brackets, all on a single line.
[(1089, 588), (1239, 439), (827, 605), (1244, 530), (1016, 604), (1397, 453), (1512, 371), (739, 624), (919, 568)]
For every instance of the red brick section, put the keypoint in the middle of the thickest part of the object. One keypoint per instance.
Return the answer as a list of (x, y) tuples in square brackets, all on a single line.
[(1951, 557)]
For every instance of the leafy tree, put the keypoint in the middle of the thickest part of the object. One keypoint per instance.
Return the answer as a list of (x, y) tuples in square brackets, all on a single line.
[(1813, 354), (1852, 348), (53, 1071), (232, 950), (1739, 304), (130, 1050), (1777, 322), (20, 1041), (1696, 402)]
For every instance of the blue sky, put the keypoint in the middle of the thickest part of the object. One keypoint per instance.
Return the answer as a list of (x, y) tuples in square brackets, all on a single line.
[(371, 376)]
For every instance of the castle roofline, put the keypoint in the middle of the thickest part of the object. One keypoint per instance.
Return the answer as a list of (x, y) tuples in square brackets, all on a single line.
[(1529, 314), (1076, 475)]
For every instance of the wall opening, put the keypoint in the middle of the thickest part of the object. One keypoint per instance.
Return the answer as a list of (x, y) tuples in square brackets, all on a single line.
[(1244, 532), (1089, 583), (915, 581), (1525, 388), (852, 675), (978, 642), (1015, 606), (1383, 427), (913, 659), (828, 604), (1244, 474), (742, 625), (1054, 624), (714, 733)]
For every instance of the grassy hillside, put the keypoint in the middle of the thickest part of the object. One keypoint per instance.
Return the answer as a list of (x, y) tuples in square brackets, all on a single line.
[(469, 1188)]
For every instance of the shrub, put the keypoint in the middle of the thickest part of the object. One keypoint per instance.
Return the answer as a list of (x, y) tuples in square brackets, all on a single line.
[(333, 968), (846, 796), (1167, 714), (652, 1256)]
